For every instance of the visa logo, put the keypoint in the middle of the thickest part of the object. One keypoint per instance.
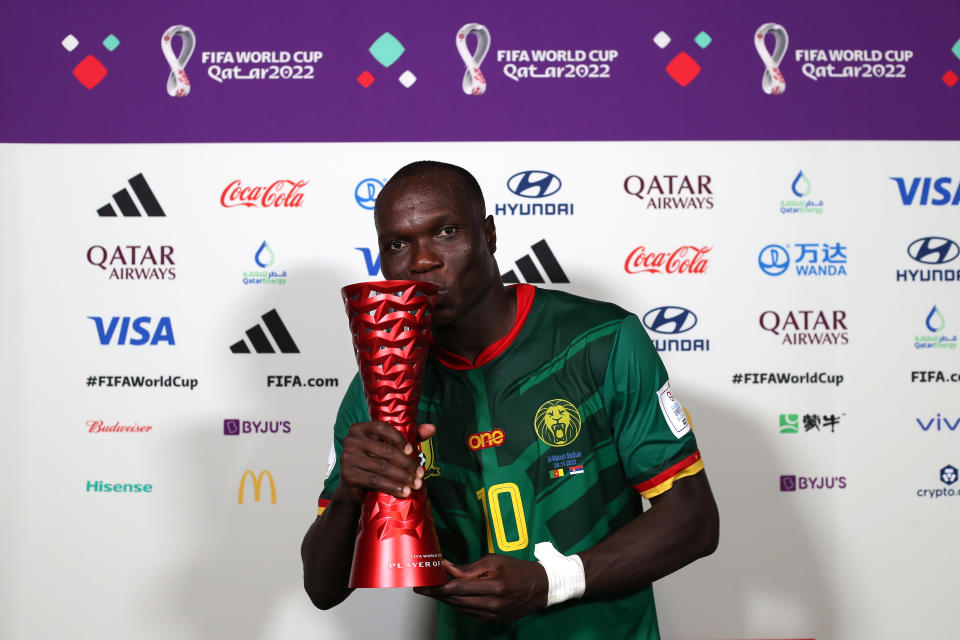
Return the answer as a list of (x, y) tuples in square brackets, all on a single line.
[(373, 265), (134, 331), (921, 187)]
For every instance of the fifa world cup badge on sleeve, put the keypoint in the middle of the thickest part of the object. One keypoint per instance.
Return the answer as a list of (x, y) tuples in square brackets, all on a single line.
[(773, 82), (474, 84), (673, 413), (178, 85)]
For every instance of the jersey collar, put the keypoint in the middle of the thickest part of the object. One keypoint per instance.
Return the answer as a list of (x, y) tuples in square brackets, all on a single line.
[(525, 293)]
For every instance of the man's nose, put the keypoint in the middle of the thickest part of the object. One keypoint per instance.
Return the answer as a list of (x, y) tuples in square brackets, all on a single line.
[(424, 258)]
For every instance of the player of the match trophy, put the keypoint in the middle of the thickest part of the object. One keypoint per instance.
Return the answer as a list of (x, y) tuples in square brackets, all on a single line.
[(391, 323)]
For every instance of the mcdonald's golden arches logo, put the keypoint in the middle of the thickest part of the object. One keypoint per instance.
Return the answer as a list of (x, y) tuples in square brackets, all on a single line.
[(257, 482)]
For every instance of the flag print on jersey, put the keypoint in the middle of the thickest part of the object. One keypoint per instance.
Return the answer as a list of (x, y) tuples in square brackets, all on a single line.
[(574, 388)]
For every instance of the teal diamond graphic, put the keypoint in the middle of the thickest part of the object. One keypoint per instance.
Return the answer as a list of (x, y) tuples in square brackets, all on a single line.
[(386, 49), (956, 49), (703, 39), (111, 42)]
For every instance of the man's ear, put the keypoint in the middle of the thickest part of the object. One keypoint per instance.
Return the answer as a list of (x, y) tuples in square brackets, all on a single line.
[(490, 233)]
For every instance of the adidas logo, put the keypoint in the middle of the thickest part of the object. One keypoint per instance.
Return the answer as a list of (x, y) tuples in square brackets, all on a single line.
[(528, 269), (258, 338), (128, 208)]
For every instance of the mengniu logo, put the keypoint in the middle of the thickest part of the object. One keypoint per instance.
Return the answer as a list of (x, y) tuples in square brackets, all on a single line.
[(938, 423), (486, 439), (128, 208), (686, 259), (671, 192), (235, 426), (807, 483), (809, 422), (279, 193), (682, 68), (90, 71), (123, 330), (528, 269), (918, 191), (533, 184), (366, 192), (557, 423), (670, 321), (258, 338), (931, 251), (134, 261), (807, 327), (386, 50), (936, 339), (948, 477), (810, 259), (257, 484)]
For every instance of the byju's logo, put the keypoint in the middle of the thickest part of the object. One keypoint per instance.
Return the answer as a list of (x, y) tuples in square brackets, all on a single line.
[(686, 259), (939, 423), (671, 321), (935, 323), (811, 422), (128, 208), (257, 482), (235, 426), (533, 185), (801, 188), (258, 338), (682, 68), (366, 192), (528, 269), (372, 263), (90, 71), (134, 261), (806, 483), (946, 192), (807, 327), (138, 331), (671, 192), (948, 476), (280, 193), (812, 259), (264, 257), (931, 250)]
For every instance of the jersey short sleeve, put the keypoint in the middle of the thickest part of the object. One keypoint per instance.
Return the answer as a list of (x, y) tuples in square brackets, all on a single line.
[(651, 428), (353, 408)]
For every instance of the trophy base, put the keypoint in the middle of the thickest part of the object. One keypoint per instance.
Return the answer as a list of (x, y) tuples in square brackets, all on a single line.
[(397, 545)]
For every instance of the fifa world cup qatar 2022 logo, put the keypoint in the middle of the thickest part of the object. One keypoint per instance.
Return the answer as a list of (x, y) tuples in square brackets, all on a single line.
[(773, 82), (474, 84), (178, 84), (391, 324)]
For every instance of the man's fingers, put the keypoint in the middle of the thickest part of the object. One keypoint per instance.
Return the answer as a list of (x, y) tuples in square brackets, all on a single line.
[(426, 431), (388, 434), (466, 587)]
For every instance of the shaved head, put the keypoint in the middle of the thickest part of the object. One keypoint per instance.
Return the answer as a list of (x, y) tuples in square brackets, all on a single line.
[(455, 182)]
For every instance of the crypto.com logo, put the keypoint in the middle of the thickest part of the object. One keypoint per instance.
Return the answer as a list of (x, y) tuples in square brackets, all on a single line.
[(257, 481), (533, 184)]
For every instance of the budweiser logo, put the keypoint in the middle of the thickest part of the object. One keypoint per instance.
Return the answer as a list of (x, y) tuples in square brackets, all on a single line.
[(282, 193), (686, 259)]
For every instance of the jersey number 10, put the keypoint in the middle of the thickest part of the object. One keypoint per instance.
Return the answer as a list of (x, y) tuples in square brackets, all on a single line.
[(494, 515)]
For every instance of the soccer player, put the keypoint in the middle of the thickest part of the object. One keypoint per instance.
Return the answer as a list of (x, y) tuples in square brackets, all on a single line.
[(546, 416)]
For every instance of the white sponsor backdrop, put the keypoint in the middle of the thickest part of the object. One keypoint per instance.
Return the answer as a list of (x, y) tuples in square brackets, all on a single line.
[(869, 561)]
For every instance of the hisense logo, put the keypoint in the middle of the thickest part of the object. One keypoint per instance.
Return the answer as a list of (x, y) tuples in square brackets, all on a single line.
[(99, 486)]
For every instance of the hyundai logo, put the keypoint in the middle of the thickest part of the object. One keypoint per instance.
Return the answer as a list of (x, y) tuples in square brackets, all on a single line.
[(533, 184), (773, 259), (670, 320), (366, 192), (933, 250)]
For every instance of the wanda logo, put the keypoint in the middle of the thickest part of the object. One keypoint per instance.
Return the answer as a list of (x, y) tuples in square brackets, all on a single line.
[(686, 259), (281, 193)]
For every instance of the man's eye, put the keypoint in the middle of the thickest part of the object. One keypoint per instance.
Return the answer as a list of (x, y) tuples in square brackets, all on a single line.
[(396, 245), (448, 230)]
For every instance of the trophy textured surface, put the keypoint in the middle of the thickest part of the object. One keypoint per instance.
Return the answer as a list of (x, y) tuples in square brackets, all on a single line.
[(391, 325)]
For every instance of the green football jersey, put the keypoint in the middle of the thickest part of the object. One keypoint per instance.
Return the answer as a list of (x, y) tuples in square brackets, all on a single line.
[(552, 434)]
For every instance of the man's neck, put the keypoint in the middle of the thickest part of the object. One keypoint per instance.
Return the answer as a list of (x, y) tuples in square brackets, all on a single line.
[(485, 324)]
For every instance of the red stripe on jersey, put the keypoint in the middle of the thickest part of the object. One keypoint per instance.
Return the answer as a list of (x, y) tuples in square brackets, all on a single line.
[(669, 473), (525, 293)]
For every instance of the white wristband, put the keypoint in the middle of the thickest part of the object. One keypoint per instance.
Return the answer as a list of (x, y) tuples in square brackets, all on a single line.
[(565, 575)]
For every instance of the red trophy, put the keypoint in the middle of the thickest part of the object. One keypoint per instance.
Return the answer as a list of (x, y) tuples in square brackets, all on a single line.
[(390, 321)]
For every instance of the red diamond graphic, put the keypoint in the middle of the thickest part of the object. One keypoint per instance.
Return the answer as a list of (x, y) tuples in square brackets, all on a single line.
[(90, 72), (950, 78), (365, 79), (683, 69)]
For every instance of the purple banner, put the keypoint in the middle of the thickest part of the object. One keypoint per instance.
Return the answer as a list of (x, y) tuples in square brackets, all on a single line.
[(378, 71)]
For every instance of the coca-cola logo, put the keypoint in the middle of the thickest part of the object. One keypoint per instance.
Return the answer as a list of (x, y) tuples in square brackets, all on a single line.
[(281, 193), (686, 259)]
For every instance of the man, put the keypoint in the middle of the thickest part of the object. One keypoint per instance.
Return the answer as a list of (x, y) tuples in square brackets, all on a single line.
[(543, 534)]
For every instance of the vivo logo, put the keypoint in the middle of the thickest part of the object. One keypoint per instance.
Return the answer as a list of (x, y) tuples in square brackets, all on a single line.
[(533, 184), (933, 250), (942, 423), (670, 320)]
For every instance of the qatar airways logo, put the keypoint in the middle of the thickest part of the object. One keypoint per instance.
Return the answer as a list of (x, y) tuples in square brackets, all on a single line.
[(686, 259), (281, 193)]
